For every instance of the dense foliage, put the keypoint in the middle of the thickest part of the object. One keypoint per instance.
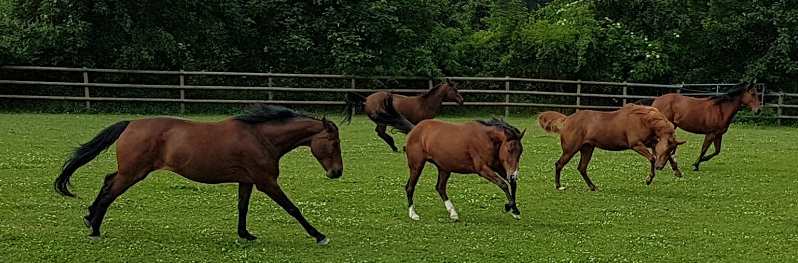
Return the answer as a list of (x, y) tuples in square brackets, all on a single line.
[(661, 41)]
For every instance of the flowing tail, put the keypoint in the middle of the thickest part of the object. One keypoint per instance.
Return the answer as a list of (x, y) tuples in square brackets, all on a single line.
[(391, 117), (87, 152), (550, 121), (646, 102), (352, 100)]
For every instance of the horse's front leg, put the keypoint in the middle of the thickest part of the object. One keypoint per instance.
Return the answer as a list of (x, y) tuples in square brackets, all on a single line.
[(244, 193), (642, 150), (272, 189), (489, 174)]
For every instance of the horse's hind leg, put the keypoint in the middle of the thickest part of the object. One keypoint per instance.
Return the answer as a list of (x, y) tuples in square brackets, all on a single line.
[(244, 193), (564, 159), (717, 142), (93, 207), (585, 154), (381, 128), (708, 139), (272, 189), (443, 178), (119, 184)]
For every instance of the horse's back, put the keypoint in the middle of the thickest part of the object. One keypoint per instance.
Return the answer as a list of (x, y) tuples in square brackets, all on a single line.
[(178, 144), (696, 115), (448, 144)]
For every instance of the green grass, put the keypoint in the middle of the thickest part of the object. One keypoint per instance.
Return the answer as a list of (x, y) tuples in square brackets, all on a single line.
[(740, 208)]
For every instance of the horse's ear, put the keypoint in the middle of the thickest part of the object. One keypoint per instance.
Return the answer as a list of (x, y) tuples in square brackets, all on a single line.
[(449, 81), (522, 134), (327, 123)]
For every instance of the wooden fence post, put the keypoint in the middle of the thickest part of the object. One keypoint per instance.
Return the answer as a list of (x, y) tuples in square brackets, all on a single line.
[(507, 97), (679, 89), (778, 108), (578, 94), (86, 88), (182, 92), (625, 86), (271, 82), (353, 87), (430, 84)]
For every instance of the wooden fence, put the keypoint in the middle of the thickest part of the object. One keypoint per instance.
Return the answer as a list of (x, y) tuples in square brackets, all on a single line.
[(621, 89)]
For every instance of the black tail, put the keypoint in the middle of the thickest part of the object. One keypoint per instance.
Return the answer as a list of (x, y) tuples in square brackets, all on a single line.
[(391, 117), (646, 102), (87, 152), (352, 100)]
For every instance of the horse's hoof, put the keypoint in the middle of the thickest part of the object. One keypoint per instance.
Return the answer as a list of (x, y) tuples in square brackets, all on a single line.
[(454, 217), (87, 222), (323, 242), (248, 237), (94, 237), (415, 217), (678, 175), (507, 208), (561, 188), (517, 217)]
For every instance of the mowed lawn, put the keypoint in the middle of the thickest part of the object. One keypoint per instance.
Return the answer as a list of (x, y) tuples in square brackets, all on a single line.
[(741, 207)]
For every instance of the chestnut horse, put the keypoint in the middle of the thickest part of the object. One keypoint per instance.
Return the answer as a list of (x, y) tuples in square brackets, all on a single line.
[(631, 127), (413, 108), (492, 149), (245, 149), (711, 116)]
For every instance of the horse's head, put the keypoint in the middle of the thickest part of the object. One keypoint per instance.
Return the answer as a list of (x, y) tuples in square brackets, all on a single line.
[(750, 98), (666, 146), (452, 94), (510, 153), (326, 147)]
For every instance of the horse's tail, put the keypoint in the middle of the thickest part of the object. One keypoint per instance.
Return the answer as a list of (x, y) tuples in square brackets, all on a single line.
[(646, 102), (550, 121), (391, 117), (353, 100), (87, 152)]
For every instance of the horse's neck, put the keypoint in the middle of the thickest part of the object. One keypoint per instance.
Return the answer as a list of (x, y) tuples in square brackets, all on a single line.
[(729, 108), (434, 101), (286, 136)]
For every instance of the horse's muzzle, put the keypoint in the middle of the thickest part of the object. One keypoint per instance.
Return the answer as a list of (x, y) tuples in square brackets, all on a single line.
[(513, 177), (334, 173), (757, 111)]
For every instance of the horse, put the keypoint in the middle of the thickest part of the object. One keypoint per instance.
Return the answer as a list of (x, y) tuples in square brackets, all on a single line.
[(413, 108), (490, 148), (244, 149), (711, 116), (632, 127)]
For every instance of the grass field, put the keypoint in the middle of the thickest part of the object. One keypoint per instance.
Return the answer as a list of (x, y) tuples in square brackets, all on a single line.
[(740, 208)]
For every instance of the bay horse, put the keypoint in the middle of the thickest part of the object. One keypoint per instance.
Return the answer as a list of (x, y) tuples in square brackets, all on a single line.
[(413, 108), (632, 127), (711, 116), (492, 149), (245, 149)]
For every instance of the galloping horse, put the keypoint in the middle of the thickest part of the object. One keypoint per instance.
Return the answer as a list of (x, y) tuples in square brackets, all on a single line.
[(245, 149), (631, 127), (413, 108), (711, 116), (492, 149)]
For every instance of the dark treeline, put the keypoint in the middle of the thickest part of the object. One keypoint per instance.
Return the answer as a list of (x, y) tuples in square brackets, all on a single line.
[(654, 41)]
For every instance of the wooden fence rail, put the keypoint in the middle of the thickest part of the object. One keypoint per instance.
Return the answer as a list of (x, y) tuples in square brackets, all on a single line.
[(507, 91)]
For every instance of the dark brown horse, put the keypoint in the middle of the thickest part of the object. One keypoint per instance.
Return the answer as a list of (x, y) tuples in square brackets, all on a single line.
[(491, 149), (245, 149), (413, 108), (710, 116), (632, 127)]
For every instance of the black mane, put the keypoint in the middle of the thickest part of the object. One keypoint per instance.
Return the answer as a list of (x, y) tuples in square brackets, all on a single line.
[(432, 90), (264, 113), (732, 93), (500, 123)]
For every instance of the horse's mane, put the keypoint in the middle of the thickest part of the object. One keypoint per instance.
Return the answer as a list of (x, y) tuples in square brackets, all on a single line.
[(651, 115), (433, 90), (265, 113), (729, 95), (500, 123)]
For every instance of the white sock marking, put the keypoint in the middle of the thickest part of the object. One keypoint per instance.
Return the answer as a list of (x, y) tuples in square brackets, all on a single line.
[(450, 208), (412, 212)]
